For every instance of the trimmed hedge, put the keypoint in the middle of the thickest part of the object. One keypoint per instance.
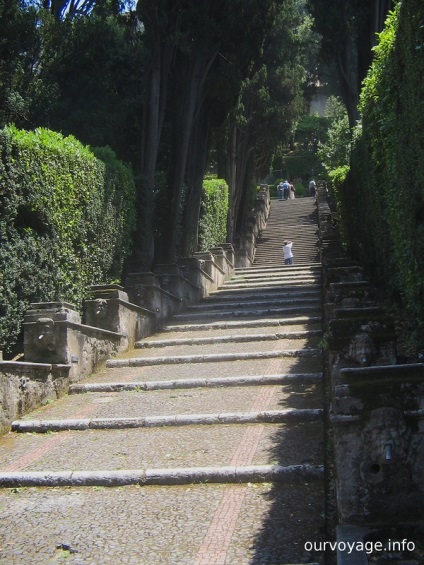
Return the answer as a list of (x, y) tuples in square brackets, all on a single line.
[(384, 199), (213, 215), (66, 220)]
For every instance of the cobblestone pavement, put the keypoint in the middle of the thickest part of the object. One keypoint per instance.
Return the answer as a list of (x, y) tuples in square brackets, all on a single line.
[(212, 521)]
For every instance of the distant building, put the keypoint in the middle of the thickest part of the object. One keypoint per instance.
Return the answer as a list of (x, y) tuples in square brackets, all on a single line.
[(318, 104)]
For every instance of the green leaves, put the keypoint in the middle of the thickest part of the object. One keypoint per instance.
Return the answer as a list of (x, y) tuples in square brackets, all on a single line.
[(66, 221), (213, 220), (385, 203)]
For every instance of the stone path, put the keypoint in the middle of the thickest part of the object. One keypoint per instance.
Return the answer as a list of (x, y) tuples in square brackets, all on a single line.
[(203, 446)]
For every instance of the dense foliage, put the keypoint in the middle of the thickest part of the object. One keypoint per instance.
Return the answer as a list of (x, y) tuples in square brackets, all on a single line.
[(384, 200), (348, 29), (166, 85), (66, 220), (213, 219)]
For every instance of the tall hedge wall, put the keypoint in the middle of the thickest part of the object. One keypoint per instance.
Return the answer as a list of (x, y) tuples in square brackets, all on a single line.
[(383, 200), (213, 216), (66, 219)]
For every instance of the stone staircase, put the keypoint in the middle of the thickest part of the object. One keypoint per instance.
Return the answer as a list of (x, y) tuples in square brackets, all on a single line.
[(209, 434)]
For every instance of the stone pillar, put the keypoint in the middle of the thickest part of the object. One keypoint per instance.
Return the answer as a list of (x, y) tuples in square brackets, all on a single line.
[(145, 291), (229, 252), (109, 308), (53, 334), (172, 279), (46, 336)]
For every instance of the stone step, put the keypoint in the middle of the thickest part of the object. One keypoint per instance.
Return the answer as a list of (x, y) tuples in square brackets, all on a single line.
[(299, 281), (181, 371), (212, 358), (266, 302), (224, 347), (158, 401), (229, 313), (228, 325), (277, 259), (149, 477), (159, 525), (243, 380), (286, 273), (225, 418), (278, 269), (252, 297), (262, 292), (243, 338), (167, 447), (274, 273)]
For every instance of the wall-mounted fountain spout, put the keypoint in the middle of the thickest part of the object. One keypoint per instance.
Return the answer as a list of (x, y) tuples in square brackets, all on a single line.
[(388, 451)]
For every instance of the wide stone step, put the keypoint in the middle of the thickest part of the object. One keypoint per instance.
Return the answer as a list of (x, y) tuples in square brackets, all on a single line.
[(276, 269), (243, 380), (266, 302), (258, 283), (212, 358), (253, 273), (288, 272), (235, 369), (263, 417), (234, 324), (229, 313), (262, 292), (166, 447), (276, 260), (159, 525), (211, 340), (150, 477), (255, 296), (226, 346), (136, 403)]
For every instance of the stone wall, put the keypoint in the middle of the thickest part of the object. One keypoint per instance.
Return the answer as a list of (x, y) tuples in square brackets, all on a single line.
[(376, 413)]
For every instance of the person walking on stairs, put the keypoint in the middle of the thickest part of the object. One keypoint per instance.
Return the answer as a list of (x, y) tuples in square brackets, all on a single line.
[(287, 250), (286, 190)]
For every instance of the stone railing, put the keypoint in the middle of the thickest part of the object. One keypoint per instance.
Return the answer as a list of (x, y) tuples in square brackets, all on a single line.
[(60, 347), (376, 414)]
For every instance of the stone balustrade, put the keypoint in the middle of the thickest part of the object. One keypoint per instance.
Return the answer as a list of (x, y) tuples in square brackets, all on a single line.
[(60, 347)]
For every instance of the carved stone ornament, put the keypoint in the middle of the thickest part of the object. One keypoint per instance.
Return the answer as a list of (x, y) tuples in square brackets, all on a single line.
[(362, 349), (45, 334), (140, 294), (101, 308)]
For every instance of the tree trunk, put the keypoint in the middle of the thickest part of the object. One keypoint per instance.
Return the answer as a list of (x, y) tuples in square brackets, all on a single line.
[(188, 91), (232, 180), (185, 91), (196, 166)]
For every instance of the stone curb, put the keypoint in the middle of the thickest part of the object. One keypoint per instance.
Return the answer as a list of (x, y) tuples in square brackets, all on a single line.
[(263, 417), (297, 378), (176, 476), (211, 358), (272, 293), (246, 313), (226, 339), (263, 291), (278, 282), (266, 323), (281, 269), (219, 305)]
